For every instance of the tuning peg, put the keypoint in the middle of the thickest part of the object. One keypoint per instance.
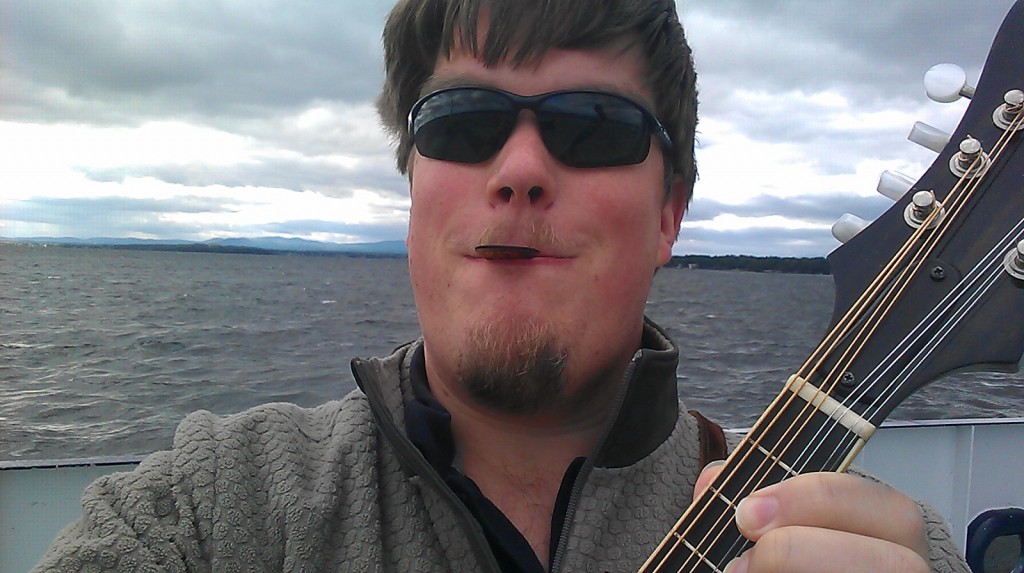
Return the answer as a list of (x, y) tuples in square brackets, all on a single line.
[(929, 137), (894, 184), (946, 83), (847, 227)]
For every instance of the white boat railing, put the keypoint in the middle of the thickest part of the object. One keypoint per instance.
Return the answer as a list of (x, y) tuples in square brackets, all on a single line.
[(961, 467)]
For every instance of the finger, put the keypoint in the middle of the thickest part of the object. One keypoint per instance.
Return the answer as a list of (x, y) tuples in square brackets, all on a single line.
[(840, 502), (812, 550), (707, 475)]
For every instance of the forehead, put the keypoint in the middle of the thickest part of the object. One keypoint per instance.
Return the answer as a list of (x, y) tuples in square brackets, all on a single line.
[(613, 69)]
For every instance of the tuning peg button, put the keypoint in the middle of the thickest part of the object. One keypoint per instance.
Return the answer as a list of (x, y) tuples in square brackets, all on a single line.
[(894, 184), (946, 83), (928, 137), (847, 227)]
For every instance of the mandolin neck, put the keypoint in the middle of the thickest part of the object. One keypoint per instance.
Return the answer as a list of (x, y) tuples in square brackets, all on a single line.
[(804, 430)]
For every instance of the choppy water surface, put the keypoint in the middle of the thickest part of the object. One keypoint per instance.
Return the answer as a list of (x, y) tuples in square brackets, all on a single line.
[(102, 352)]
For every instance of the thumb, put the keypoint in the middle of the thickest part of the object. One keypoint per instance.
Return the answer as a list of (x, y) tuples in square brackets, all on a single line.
[(707, 475)]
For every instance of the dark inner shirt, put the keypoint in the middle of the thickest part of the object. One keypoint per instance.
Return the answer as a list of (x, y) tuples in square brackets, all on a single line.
[(428, 425)]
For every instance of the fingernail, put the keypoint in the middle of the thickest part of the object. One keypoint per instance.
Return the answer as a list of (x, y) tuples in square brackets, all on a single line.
[(755, 513), (738, 565)]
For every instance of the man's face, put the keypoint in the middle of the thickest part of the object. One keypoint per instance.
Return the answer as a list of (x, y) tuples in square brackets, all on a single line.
[(547, 333)]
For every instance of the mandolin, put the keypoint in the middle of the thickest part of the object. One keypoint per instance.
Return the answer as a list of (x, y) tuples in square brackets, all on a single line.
[(934, 285)]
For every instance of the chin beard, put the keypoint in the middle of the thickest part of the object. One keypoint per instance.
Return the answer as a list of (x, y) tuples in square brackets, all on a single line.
[(513, 368)]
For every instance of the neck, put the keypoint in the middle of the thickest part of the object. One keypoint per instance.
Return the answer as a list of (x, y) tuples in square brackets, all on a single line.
[(516, 445), (519, 461)]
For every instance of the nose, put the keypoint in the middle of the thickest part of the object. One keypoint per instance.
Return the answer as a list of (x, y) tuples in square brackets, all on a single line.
[(523, 169)]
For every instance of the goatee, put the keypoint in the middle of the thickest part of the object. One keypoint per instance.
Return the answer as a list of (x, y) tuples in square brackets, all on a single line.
[(513, 367)]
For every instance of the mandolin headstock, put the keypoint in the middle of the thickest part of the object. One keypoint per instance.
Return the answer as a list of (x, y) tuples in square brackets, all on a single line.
[(955, 297)]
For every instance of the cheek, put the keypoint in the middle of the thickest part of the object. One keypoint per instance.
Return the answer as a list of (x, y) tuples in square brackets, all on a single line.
[(435, 191), (631, 223)]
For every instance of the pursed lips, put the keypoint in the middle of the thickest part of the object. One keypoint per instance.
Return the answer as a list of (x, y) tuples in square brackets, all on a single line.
[(506, 252)]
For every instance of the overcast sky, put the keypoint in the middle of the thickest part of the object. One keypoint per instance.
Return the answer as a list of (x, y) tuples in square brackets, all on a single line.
[(197, 119)]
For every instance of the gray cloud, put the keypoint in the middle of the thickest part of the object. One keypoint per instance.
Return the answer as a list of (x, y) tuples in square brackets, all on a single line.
[(187, 59), (248, 70), (301, 174), (816, 209), (114, 216), (367, 232), (864, 49)]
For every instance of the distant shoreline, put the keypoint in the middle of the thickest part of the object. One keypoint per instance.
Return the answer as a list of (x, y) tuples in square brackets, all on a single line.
[(791, 265), (218, 249)]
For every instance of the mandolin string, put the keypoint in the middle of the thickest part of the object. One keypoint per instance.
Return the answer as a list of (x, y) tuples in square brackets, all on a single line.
[(957, 200), (951, 310), (701, 505), (848, 442), (805, 417), (933, 235), (864, 333), (953, 210), (880, 314), (808, 409), (837, 334), (991, 262), (954, 306), (986, 270)]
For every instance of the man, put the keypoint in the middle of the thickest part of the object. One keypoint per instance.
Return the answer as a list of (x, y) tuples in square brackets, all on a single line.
[(549, 147)]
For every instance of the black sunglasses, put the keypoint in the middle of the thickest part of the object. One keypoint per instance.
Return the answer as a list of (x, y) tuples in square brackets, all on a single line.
[(580, 128)]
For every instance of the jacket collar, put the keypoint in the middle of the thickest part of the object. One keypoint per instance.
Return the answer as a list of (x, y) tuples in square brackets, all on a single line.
[(649, 403), (646, 410)]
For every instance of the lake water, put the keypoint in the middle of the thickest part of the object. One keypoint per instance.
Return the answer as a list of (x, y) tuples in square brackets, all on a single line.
[(103, 352)]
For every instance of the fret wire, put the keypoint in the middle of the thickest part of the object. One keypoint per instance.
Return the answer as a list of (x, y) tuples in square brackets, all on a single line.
[(752, 478), (700, 555), (746, 486), (763, 420), (778, 462)]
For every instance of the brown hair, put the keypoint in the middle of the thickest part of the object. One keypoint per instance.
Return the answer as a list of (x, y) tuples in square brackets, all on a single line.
[(419, 31)]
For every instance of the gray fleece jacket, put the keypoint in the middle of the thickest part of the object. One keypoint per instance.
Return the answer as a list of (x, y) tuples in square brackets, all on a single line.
[(341, 488)]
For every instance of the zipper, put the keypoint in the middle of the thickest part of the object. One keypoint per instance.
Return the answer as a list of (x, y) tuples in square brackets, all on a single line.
[(588, 466), (409, 454)]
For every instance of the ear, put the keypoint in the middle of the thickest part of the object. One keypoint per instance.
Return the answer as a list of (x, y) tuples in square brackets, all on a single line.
[(671, 217)]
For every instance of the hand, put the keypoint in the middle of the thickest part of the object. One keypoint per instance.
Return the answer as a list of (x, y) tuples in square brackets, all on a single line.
[(828, 522)]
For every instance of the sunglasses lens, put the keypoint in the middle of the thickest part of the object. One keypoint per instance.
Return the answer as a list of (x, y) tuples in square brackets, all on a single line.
[(464, 125), (584, 129), (580, 129)]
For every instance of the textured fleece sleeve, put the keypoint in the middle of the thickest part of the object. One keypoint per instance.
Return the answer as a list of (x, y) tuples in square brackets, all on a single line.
[(944, 555), (130, 523)]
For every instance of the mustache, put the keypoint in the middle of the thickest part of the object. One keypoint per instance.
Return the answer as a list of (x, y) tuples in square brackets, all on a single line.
[(539, 235)]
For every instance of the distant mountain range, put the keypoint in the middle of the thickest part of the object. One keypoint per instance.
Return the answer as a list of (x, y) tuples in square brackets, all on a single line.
[(237, 244)]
